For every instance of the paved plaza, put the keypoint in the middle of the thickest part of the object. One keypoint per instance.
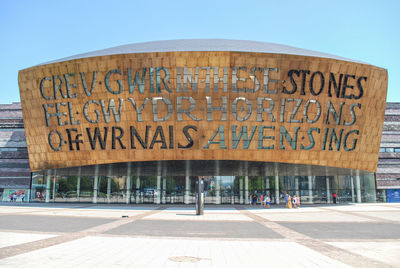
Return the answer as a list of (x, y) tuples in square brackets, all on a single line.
[(88, 235)]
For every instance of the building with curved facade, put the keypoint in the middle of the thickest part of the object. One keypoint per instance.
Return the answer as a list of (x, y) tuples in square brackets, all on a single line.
[(137, 124)]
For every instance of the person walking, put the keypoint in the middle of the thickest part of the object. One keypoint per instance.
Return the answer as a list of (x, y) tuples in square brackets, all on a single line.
[(294, 201)]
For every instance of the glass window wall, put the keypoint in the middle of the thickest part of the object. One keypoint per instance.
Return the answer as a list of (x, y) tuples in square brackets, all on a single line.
[(218, 189)]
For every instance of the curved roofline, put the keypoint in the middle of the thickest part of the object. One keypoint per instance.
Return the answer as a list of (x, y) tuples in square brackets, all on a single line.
[(181, 45)]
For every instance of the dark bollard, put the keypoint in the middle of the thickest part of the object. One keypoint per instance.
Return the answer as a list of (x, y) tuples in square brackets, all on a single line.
[(199, 196)]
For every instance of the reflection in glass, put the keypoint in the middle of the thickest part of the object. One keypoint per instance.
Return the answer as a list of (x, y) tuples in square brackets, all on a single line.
[(218, 189)]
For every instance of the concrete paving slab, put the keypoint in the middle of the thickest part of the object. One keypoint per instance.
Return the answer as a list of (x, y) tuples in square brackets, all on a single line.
[(210, 229), (11, 239), (130, 207), (49, 223), (384, 215), (183, 215), (345, 230), (387, 252), (96, 211), (89, 213), (274, 209), (207, 209), (365, 207), (145, 252), (155, 236), (322, 216), (23, 210)]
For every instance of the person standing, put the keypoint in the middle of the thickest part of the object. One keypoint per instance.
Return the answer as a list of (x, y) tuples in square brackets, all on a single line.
[(294, 201), (289, 202), (267, 200), (334, 196), (262, 200)]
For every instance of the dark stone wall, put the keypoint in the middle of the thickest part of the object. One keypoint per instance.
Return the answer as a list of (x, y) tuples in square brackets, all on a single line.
[(14, 164), (388, 173)]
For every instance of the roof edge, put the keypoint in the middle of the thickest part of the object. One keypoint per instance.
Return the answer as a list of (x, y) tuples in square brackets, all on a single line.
[(185, 45)]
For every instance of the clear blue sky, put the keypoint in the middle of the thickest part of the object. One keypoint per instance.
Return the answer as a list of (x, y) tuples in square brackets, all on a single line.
[(33, 32)]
